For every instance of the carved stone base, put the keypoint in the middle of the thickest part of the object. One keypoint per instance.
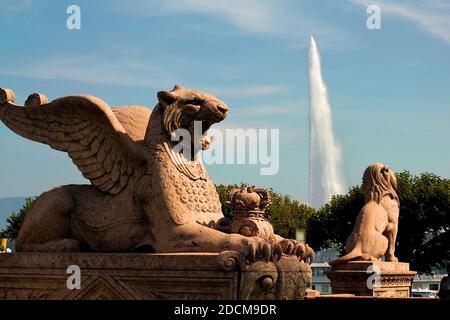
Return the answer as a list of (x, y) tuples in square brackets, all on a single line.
[(356, 277), (151, 276)]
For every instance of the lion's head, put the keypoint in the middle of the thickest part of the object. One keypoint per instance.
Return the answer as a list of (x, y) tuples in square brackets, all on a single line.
[(183, 107), (379, 181)]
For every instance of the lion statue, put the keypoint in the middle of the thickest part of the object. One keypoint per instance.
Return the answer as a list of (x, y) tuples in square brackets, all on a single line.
[(144, 196), (375, 230)]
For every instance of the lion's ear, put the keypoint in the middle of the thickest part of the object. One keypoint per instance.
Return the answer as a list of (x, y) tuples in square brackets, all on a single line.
[(165, 97), (178, 87)]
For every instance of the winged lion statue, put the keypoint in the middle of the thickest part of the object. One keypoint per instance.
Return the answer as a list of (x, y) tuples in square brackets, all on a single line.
[(144, 196)]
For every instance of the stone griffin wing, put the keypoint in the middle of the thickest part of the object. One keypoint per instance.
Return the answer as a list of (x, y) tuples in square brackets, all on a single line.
[(134, 120), (86, 128)]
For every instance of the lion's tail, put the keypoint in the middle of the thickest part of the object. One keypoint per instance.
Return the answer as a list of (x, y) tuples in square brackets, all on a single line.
[(355, 253)]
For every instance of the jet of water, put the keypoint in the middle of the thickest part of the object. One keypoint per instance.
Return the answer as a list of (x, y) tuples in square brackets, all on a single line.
[(325, 178)]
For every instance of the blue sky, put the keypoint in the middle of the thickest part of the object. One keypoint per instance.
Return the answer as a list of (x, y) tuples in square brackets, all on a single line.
[(389, 88)]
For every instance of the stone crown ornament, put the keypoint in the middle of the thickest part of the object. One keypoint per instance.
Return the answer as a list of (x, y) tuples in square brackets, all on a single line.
[(248, 205), (249, 200)]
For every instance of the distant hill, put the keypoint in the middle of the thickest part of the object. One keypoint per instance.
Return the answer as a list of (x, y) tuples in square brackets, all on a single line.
[(8, 205)]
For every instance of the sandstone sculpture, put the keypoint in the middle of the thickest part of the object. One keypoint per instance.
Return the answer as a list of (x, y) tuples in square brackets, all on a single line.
[(248, 206), (376, 225), (144, 196)]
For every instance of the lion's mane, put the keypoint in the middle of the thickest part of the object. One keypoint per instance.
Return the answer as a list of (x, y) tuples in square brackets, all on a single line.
[(378, 182)]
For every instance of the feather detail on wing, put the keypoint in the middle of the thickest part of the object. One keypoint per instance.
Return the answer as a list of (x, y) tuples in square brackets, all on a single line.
[(86, 128), (134, 120)]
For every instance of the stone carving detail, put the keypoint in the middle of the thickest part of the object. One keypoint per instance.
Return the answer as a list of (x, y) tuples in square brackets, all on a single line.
[(376, 225), (25, 294), (249, 200), (144, 195), (112, 276), (392, 294), (248, 205), (286, 278)]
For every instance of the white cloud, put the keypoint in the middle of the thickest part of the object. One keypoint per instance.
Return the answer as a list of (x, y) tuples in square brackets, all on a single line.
[(89, 70), (247, 90), (264, 17), (92, 70), (252, 15), (432, 15), (292, 108), (267, 110)]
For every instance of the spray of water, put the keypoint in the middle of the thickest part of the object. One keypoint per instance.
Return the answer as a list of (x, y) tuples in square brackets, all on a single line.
[(325, 179)]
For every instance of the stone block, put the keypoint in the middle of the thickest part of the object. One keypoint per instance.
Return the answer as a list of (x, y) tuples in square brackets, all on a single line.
[(354, 277), (132, 276)]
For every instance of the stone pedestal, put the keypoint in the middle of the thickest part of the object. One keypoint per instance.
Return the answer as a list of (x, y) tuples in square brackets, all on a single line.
[(360, 278), (151, 276)]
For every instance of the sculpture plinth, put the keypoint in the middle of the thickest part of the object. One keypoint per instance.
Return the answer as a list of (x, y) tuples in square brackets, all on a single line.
[(151, 276), (372, 278)]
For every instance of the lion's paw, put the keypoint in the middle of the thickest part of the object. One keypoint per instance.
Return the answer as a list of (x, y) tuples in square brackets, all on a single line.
[(297, 248), (254, 248)]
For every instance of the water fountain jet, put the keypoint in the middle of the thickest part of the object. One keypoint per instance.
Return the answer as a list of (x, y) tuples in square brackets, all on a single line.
[(325, 178)]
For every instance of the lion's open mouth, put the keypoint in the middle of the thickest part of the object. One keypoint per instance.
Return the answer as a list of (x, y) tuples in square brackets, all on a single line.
[(204, 141), (205, 126)]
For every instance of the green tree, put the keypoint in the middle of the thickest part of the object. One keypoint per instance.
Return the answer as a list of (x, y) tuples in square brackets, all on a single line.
[(14, 221), (330, 226), (424, 224), (223, 190), (287, 215)]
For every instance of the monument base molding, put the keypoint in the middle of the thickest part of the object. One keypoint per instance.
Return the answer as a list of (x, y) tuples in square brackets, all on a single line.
[(372, 278), (133, 276)]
